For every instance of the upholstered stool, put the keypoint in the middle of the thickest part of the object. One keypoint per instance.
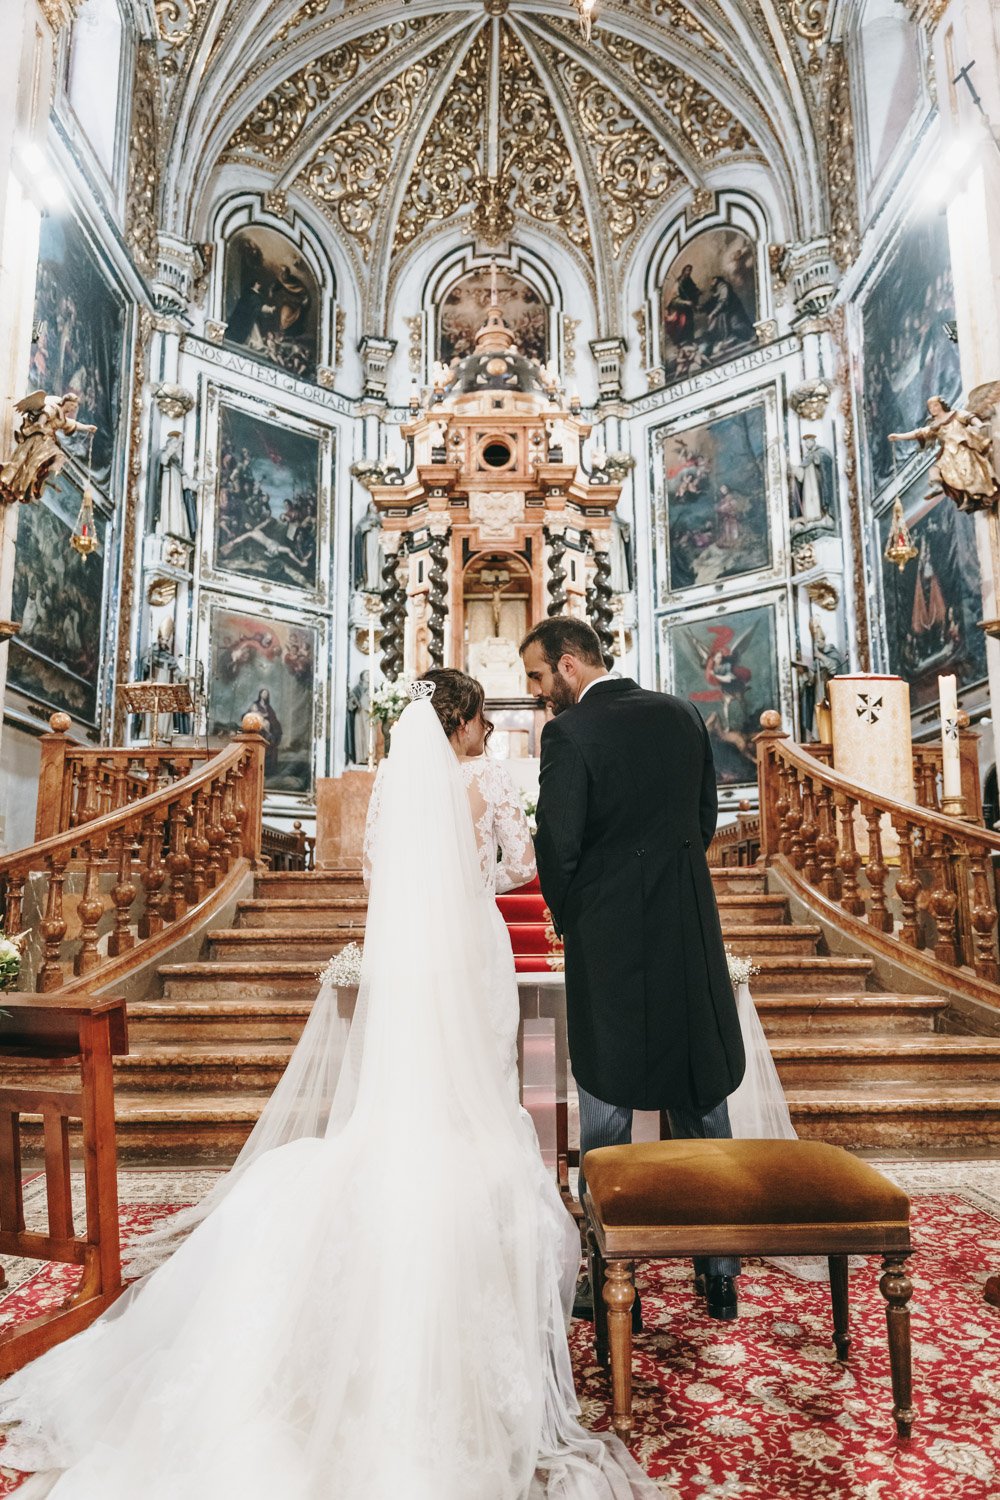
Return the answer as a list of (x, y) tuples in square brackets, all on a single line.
[(682, 1198)]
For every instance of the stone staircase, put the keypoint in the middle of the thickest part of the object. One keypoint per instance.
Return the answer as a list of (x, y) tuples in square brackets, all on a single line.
[(861, 1067)]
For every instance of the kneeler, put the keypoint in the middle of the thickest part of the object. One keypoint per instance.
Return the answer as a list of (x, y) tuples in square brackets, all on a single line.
[(745, 1197)]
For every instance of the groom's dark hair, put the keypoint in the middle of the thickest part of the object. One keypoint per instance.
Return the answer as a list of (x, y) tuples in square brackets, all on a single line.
[(562, 635)]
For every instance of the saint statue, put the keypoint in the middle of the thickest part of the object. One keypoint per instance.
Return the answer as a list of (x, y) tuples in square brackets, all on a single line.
[(38, 455), (964, 467), (369, 558), (812, 502), (172, 518), (358, 719)]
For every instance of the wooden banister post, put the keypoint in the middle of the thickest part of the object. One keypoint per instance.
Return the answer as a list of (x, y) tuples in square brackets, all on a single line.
[(51, 794), (769, 783), (252, 799), (972, 787)]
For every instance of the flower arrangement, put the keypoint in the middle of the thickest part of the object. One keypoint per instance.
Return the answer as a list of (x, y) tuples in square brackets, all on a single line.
[(530, 807), (10, 963), (388, 701), (344, 968), (740, 969)]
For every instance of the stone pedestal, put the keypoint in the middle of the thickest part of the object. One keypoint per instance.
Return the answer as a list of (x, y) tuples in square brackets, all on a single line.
[(871, 742), (341, 810)]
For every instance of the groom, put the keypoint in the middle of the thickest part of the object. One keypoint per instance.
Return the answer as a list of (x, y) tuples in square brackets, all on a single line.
[(626, 809)]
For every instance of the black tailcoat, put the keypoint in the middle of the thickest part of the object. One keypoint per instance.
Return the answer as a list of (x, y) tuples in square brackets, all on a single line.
[(627, 807)]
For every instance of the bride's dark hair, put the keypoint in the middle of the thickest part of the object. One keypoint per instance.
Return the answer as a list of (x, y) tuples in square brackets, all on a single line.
[(457, 699)]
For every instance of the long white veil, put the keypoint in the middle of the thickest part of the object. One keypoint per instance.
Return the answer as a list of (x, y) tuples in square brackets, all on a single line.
[(373, 1300)]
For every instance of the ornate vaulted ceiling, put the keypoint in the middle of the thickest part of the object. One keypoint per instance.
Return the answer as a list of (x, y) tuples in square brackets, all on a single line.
[(392, 119)]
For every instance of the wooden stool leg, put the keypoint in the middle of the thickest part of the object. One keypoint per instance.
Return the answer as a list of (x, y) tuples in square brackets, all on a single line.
[(838, 1292), (896, 1288), (619, 1293), (595, 1265)]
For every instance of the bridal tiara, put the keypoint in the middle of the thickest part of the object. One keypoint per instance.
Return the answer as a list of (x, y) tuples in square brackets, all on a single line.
[(421, 689)]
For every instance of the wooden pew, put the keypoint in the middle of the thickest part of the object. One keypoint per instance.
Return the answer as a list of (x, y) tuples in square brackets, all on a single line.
[(88, 1032)]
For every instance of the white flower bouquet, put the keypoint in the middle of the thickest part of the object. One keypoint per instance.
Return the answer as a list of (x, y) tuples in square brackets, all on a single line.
[(388, 701), (344, 969), (10, 963), (741, 970)]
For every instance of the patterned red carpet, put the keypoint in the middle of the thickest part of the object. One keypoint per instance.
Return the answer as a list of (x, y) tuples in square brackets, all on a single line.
[(759, 1409)]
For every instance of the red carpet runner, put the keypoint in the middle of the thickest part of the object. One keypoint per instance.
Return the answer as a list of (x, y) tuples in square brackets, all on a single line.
[(759, 1409), (532, 937)]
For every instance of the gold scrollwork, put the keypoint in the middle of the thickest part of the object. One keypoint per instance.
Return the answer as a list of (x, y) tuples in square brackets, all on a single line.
[(177, 20), (704, 121), (277, 122), (840, 160), (348, 175), (143, 173)]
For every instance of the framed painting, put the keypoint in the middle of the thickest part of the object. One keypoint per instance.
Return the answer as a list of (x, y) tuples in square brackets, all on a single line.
[(267, 499), (79, 339), (907, 356), (726, 664), (58, 596), (933, 604), (271, 300), (463, 313), (708, 302), (258, 664), (716, 487)]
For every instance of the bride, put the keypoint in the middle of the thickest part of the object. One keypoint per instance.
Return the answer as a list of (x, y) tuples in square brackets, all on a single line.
[(373, 1303)]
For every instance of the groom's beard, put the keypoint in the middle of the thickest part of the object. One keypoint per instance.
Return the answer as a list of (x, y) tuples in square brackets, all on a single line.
[(561, 697)]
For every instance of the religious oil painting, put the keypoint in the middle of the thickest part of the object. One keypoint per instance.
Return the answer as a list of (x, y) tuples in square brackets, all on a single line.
[(266, 667), (78, 339), (727, 666), (908, 356), (716, 487), (933, 604), (58, 598), (464, 310), (709, 302), (271, 300), (268, 499)]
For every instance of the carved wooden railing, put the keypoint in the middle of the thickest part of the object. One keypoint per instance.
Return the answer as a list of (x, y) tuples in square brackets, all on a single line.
[(285, 852), (78, 783), (928, 902), (927, 772), (738, 843), (143, 867), (86, 1033)]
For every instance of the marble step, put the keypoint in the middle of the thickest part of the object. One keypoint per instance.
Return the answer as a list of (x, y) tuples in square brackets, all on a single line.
[(745, 939), (296, 911), (867, 1013), (750, 909), (821, 974), (175, 1020), (214, 1068), (244, 943), (738, 879), (956, 1117), (256, 979), (309, 884), (836, 1059)]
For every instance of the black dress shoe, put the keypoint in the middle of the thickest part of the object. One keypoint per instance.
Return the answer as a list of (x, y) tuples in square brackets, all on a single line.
[(721, 1295)]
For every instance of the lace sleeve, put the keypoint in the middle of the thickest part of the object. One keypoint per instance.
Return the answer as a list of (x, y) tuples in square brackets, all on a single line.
[(517, 853), (371, 823)]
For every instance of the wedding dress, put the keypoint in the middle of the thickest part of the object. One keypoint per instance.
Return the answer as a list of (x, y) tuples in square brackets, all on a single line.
[(373, 1304)]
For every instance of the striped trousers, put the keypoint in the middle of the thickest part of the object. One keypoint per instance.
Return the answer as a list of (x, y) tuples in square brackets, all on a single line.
[(611, 1125)]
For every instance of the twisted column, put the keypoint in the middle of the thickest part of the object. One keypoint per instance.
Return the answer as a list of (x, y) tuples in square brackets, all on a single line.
[(555, 585), (437, 597), (393, 617), (599, 608)]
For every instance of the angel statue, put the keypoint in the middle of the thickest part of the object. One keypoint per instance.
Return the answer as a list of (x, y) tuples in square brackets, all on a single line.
[(38, 455), (965, 466)]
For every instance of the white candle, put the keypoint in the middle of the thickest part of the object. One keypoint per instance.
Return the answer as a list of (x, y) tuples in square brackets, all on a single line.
[(951, 760)]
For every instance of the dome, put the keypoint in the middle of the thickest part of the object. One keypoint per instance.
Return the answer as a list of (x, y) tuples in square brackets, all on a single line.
[(492, 370)]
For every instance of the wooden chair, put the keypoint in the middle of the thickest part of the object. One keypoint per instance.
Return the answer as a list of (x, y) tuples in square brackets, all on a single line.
[(88, 1031), (749, 1197)]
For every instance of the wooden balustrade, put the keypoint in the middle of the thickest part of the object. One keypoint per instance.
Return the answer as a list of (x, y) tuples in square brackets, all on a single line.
[(141, 868), (927, 772), (289, 851), (910, 882), (78, 783), (87, 1032)]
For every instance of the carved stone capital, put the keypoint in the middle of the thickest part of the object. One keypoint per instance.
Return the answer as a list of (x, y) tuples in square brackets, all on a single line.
[(810, 400), (814, 277), (174, 401), (376, 352), (179, 268), (609, 355)]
